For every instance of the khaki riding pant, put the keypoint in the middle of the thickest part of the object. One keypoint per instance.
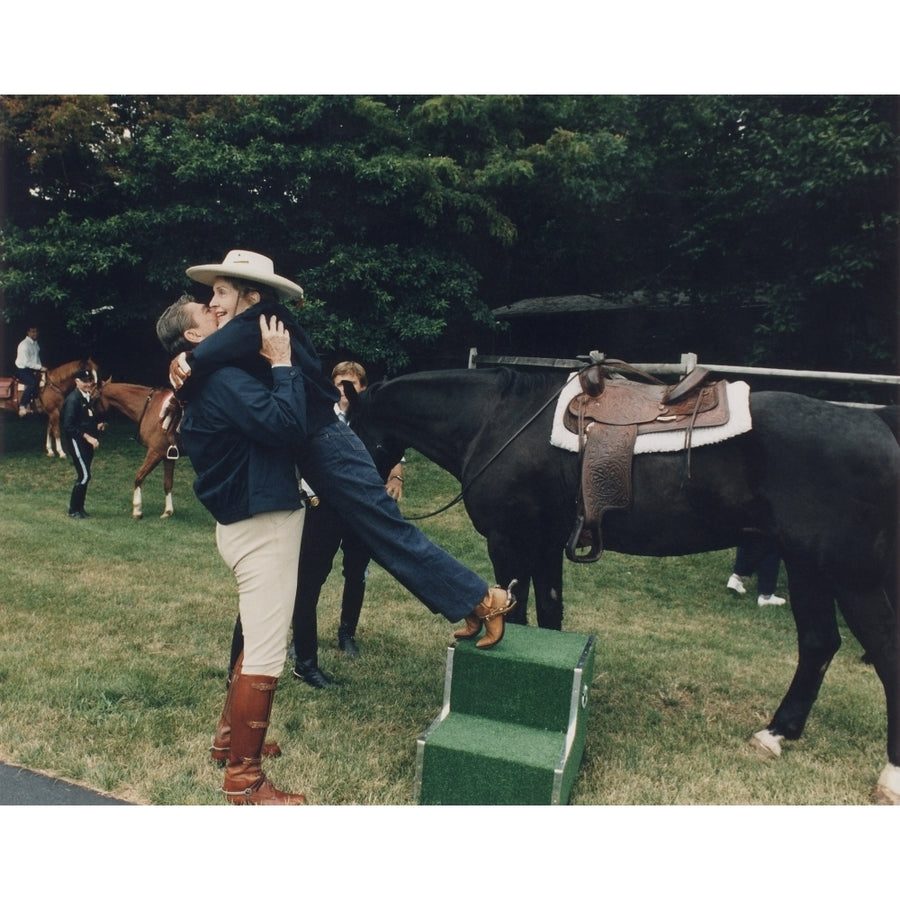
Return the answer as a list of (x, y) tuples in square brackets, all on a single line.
[(263, 552)]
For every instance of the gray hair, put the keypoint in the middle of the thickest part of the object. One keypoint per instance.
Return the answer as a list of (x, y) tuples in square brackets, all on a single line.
[(172, 324)]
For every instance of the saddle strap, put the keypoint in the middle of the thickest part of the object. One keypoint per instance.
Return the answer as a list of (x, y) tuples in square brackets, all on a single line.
[(605, 485)]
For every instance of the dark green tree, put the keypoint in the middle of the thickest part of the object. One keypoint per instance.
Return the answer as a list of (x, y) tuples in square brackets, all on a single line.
[(407, 218)]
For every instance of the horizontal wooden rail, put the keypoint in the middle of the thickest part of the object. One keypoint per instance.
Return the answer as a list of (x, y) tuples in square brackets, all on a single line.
[(688, 364)]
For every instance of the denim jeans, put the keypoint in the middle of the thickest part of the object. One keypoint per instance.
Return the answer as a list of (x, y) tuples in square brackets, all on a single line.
[(337, 465)]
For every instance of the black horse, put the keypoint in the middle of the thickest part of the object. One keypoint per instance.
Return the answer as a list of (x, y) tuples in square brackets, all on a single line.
[(820, 480)]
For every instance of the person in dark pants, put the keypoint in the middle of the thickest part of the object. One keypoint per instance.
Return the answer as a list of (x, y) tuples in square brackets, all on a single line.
[(81, 436), (324, 533), (757, 556), (29, 368)]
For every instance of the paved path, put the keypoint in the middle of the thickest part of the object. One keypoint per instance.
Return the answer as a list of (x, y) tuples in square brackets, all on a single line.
[(22, 787)]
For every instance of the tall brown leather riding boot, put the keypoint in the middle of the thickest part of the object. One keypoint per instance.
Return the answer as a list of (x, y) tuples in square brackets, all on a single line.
[(221, 744), (490, 612), (245, 783)]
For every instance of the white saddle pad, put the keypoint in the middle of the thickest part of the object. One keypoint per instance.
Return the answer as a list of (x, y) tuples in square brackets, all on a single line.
[(739, 421)]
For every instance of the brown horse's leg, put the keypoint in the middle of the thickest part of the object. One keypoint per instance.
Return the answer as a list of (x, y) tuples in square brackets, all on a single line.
[(168, 482), (53, 409), (151, 461), (155, 456)]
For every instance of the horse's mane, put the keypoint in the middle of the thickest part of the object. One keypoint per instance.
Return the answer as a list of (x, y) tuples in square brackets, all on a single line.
[(66, 370), (503, 380)]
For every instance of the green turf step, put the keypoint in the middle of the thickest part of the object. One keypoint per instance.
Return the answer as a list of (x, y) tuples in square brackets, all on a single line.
[(511, 730)]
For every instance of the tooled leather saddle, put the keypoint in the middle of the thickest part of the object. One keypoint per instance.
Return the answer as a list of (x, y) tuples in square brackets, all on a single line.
[(608, 415)]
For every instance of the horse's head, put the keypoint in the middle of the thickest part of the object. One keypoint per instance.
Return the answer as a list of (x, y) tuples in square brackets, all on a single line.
[(385, 449), (101, 404)]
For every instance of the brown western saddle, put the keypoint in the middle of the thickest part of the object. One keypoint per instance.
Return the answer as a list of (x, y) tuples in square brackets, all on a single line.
[(10, 389), (608, 415)]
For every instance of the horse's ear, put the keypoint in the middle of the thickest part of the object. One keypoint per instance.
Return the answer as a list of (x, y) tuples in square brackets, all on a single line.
[(350, 392)]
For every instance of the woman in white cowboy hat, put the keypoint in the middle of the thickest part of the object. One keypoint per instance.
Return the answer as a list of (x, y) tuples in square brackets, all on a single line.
[(331, 457)]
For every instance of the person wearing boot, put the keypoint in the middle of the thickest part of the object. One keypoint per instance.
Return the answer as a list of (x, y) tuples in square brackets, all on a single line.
[(331, 456), (237, 432), (81, 437), (323, 535)]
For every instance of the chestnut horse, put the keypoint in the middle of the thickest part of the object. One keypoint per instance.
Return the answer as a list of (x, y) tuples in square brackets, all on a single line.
[(143, 405), (54, 385)]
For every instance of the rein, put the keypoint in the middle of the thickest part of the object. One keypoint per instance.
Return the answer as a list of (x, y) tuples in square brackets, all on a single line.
[(552, 398)]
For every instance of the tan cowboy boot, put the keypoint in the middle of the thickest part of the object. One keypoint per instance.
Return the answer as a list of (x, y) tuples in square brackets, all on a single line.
[(245, 783), (490, 612), (221, 744)]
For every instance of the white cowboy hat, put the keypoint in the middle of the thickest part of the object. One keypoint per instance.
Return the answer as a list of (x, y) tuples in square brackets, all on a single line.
[(251, 267)]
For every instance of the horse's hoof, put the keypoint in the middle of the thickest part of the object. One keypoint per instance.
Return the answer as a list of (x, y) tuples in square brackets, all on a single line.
[(887, 791), (137, 515), (167, 514), (766, 744)]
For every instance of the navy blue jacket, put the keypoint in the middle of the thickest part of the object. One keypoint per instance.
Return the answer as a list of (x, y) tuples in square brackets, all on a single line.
[(77, 417), (239, 434), (237, 343)]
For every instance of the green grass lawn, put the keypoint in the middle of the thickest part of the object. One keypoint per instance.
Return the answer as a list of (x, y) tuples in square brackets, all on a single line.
[(115, 637)]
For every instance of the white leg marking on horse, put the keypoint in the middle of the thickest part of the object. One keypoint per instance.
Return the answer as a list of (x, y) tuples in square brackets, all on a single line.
[(170, 508), (887, 790), (767, 744), (137, 505)]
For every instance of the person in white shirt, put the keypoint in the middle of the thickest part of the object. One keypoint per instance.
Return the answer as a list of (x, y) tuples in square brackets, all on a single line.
[(28, 368)]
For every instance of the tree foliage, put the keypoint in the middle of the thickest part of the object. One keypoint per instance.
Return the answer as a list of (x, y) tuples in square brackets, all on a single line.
[(407, 218)]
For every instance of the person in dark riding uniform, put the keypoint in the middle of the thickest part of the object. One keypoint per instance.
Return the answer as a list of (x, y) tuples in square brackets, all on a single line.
[(81, 437)]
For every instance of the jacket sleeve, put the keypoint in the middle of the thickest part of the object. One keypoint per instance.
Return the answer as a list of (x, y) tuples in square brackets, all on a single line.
[(271, 416), (234, 341), (70, 418)]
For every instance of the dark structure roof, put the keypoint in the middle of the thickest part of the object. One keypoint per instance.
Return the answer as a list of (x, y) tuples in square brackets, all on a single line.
[(577, 303)]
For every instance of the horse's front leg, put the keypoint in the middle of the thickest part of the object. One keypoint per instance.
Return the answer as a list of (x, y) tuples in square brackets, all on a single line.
[(548, 592), (137, 503), (54, 438), (151, 460), (509, 564), (818, 639)]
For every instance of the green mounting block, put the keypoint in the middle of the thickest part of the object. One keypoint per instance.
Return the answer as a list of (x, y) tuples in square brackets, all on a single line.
[(512, 726)]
